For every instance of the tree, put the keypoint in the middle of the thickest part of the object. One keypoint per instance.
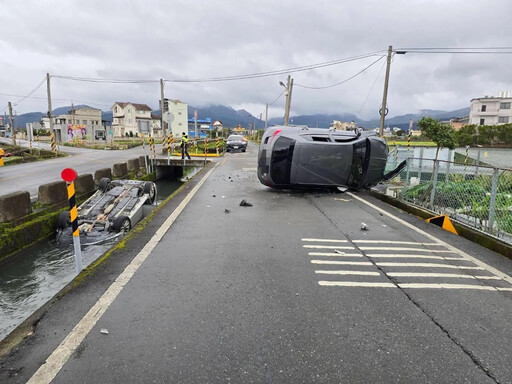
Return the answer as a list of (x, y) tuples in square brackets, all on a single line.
[(441, 134)]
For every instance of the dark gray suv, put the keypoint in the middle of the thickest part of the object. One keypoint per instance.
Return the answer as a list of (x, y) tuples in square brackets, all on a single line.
[(295, 157)]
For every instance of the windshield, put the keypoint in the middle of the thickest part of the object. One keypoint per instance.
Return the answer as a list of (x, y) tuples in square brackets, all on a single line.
[(235, 138)]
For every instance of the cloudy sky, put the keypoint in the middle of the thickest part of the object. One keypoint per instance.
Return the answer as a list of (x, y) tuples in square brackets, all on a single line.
[(181, 40)]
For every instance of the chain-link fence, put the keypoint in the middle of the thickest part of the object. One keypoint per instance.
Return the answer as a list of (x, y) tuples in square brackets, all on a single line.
[(475, 195)]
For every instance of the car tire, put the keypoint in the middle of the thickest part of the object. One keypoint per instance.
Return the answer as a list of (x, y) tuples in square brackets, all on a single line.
[(63, 220), (104, 184), (121, 223), (243, 150), (150, 189)]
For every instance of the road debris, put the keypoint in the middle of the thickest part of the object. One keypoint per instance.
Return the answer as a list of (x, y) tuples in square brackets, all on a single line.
[(245, 203), (339, 252), (226, 210), (104, 331), (364, 227)]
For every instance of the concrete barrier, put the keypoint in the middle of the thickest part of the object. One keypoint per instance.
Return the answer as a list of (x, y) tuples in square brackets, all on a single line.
[(84, 184), (120, 170), (53, 193), (133, 165), (143, 160), (14, 206), (101, 173)]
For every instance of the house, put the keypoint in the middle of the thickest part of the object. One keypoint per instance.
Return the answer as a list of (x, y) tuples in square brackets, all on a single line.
[(343, 125), (83, 123), (178, 113), (131, 119), (491, 110)]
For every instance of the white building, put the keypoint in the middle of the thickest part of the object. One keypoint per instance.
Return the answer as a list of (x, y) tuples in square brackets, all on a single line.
[(179, 116), (83, 123), (491, 110), (131, 119)]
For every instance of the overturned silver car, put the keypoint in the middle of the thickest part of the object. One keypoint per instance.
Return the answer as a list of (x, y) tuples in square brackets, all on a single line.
[(114, 208), (302, 157)]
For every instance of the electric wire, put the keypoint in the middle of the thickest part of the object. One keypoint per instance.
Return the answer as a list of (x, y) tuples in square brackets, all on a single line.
[(371, 88), (30, 93), (343, 81), (224, 78)]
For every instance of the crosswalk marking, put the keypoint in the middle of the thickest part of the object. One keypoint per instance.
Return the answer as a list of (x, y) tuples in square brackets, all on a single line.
[(426, 265), (446, 286), (356, 284), (335, 262), (393, 242), (357, 273), (403, 249), (408, 256), (326, 247), (395, 251), (452, 275), (335, 254), (326, 240)]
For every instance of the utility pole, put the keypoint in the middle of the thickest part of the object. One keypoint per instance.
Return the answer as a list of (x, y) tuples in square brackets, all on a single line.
[(289, 87), (260, 122), (162, 106), (266, 116), (11, 122), (383, 110), (50, 114)]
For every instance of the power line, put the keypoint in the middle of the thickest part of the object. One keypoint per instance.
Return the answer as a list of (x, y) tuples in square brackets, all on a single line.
[(31, 92), (343, 81), (223, 78), (371, 88)]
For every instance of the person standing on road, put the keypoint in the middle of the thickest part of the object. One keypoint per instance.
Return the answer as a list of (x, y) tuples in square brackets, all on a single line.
[(184, 146)]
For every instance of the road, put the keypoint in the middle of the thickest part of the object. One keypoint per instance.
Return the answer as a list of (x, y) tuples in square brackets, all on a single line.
[(28, 176), (288, 290)]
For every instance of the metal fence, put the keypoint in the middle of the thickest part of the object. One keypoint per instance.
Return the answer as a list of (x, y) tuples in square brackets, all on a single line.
[(475, 195)]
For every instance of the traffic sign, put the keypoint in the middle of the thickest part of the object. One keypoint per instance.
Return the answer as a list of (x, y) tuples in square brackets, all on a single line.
[(68, 175)]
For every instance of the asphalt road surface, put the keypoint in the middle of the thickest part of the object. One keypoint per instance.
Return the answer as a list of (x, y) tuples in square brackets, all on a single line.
[(288, 290), (29, 176)]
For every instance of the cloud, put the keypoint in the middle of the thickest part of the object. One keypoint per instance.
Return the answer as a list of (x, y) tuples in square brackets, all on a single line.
[(181, 39)]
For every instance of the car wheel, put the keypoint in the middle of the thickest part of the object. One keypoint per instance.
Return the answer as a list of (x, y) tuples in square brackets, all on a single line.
[(150, 189), (63, 220), (243, 150), (104, 184), (122, 224)]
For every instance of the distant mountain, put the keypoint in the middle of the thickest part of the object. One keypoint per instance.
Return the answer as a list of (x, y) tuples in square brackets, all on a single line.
[(231, 117)]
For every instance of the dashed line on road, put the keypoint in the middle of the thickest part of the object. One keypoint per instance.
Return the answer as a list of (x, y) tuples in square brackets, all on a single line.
[(356, 273), (404, 249), (326, 240), (426, 265), (327, 247), (394, 242), (334, 254)]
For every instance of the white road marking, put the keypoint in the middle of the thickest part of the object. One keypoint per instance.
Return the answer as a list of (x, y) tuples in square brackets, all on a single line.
[(447, 286), (393, 242), (426, 265), (335, 254), (356, 284), (504, 289), (452, 275), (327, 247), (403, 249), (333, 262), (463, 254), (327, 240), (409, 256), (358, 273), (47, 372)]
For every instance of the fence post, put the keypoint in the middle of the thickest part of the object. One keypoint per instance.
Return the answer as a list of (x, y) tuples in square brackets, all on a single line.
[(492, 202), (420, 166), (477, 161), (434, 184), (406, 184)]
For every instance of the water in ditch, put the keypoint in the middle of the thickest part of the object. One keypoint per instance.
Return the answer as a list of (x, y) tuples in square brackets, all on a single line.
[(37, 274)]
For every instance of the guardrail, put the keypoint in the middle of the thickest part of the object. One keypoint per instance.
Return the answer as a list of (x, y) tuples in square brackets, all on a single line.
[(475, 195)]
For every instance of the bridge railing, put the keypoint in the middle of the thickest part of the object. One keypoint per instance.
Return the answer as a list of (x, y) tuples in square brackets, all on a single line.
[(475, 195)]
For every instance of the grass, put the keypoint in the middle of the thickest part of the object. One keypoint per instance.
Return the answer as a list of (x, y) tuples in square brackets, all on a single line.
[(403, 143)]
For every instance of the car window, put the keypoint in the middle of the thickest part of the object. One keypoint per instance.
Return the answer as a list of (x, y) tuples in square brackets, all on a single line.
[(235, 137)]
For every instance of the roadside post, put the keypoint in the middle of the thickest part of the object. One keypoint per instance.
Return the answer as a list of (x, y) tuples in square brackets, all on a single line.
[(142, 138), (217, 144), (466, 158), (1, 157), (169, 141), (205, 148), (69, 176), (52, 141)]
